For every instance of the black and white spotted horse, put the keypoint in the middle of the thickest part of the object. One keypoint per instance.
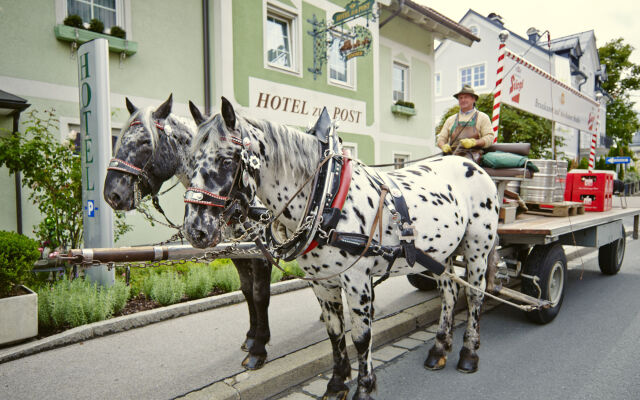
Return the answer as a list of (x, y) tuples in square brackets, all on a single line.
[(453, 207), (153, 147)]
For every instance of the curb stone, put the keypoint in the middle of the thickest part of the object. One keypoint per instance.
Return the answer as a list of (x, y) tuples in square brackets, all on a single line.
[(137, 320)]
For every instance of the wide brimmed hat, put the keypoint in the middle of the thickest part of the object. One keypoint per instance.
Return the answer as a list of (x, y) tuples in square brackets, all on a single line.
[(466, 89)]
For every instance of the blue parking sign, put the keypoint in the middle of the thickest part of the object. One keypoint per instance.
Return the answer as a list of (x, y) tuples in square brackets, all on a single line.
[(91, 211)]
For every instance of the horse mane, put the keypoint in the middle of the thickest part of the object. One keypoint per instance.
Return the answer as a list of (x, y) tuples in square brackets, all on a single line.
[(144, 116), (288, 149)]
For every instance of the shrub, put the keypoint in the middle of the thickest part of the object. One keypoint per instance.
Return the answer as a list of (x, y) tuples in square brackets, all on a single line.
[(17, 255), (120, 293), (167, 288), (199, 282), (225, 277), (74, 20), (78, 302), (118, 32), (290, 268), (95, 25)]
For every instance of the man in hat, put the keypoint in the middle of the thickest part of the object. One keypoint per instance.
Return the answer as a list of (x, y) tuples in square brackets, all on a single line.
[(467, 132)]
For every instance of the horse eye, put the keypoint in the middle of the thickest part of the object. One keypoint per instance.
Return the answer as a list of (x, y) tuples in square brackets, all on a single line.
[(227, 162)]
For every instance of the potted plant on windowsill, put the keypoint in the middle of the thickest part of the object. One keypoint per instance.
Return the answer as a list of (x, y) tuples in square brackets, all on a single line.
[(18, 303), (404, 107)]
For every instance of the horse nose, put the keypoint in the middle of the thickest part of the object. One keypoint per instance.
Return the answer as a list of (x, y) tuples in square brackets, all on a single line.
[(199, 237), (115, 200)]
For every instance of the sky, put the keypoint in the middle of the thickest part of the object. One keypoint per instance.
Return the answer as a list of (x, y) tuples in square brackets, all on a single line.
[(609, 20)]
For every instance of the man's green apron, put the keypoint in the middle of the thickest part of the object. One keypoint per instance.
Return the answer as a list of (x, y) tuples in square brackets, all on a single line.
[(465, 130)]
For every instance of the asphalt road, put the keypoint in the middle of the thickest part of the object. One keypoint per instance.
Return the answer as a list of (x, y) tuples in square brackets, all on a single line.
[(590, 351)]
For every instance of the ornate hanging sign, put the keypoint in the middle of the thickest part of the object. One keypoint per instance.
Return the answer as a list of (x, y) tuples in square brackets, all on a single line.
[(354, 9), (357, 45), (354, 41)]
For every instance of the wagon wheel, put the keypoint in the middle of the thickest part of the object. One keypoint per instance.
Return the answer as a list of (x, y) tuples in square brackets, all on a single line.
[(422, 282), (610, 255), (549, 264)]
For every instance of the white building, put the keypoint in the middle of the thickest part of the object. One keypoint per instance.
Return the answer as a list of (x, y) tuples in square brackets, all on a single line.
[(572, 59)]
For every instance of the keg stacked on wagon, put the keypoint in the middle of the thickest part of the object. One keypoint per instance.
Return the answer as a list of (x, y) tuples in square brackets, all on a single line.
[(548, 184)]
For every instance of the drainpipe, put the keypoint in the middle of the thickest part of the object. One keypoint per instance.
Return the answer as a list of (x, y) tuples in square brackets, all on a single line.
[(205, 55), (18, 180), (392, 16)]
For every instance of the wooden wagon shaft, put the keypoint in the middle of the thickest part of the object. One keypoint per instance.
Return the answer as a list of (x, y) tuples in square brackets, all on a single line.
[(159, 253)]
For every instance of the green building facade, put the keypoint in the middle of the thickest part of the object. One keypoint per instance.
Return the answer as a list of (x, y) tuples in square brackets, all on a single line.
[(258, 54)]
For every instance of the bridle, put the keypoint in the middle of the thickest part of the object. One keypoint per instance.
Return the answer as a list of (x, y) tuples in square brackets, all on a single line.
[(140, 173), (229, 203)]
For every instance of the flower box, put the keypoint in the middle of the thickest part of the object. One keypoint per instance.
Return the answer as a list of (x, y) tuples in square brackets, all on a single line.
[(80, 36), (18, 317), (408, 111)]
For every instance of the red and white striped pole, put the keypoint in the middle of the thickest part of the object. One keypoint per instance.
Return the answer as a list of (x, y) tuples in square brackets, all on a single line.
[(592, 153), (495, 120)]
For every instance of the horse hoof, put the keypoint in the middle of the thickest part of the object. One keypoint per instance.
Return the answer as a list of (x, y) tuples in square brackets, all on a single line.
[(253, 362), (468, 362), (436, 360), (341, 395), (248, 342)]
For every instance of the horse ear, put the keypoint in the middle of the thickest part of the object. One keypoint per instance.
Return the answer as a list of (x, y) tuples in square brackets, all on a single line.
[(228, 114), (130, 106), (195, 113), (165, 109)]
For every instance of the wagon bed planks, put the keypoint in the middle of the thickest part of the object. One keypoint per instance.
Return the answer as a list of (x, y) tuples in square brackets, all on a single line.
[(556, 209)]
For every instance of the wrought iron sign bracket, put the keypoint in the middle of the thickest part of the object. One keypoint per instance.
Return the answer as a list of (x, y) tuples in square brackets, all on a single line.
[(355, 41)]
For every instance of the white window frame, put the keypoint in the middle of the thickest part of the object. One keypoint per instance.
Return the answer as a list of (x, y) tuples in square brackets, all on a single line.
[(123, 14), (351, 72), (353, 147), (291, 16), (471, 68), (407, 80), (437, 84), (406, 156), (67, 125)]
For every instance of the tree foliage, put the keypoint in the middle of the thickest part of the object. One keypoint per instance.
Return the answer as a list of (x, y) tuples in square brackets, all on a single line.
[(623, 76), (51, 169), (516, 126)]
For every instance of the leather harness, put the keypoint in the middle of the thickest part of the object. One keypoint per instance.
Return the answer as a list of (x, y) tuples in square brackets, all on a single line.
[(324, 207)]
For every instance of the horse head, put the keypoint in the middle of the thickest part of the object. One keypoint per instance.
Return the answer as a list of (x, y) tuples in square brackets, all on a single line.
[(224, 177), (144, 157)]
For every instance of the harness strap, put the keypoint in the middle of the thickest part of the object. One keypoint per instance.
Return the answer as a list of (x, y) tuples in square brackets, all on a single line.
[(117, 164), (203, 197)]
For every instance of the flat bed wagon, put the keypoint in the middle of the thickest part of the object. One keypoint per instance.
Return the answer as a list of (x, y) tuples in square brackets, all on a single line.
[(531, 249)]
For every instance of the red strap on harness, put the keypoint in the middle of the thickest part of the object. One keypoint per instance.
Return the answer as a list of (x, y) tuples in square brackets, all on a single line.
[(203, 197), (341, 196)]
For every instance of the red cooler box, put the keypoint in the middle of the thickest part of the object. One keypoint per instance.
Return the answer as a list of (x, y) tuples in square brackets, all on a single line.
[(593, 189)]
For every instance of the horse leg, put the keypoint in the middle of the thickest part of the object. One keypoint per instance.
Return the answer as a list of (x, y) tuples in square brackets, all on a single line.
[(360, 301), (448, 289), (261, 272), (330, 301), (476, 269), (246, 285)]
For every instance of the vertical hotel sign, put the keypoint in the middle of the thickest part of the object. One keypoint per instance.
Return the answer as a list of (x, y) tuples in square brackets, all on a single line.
[(95, 125)]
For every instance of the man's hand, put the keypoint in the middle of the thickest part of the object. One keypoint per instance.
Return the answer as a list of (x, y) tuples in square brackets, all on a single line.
[(468, 143), (446, 148)]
